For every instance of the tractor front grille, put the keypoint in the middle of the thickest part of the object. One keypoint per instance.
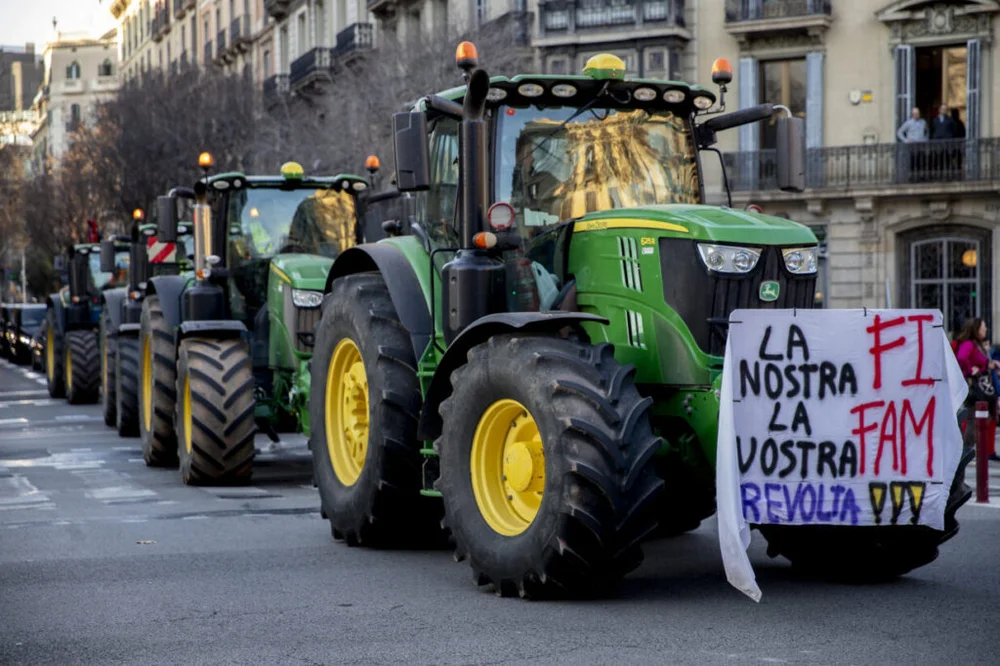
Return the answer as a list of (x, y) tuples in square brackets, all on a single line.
[(705, 299), (306, 320)]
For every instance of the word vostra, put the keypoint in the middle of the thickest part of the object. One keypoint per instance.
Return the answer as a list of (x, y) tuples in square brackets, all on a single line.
[(837, 417)]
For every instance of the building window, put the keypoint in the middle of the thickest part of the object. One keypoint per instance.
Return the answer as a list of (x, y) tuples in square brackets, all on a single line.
[(482, 13), (267, 63), (781, 82), (655, 64), (105, 68), (301, 35), (73, 71), (559, 65), (943, 268)]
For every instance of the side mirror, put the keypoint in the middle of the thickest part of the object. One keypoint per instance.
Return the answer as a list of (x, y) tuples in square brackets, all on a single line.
[(791, 154), (166, 219), (107, 256), (413, 162)]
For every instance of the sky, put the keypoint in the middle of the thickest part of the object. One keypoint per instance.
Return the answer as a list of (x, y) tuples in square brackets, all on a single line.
[(31, 20)]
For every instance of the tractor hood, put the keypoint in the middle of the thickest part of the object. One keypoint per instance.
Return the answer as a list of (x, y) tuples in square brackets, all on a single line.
[(302, 271), (703, 223)]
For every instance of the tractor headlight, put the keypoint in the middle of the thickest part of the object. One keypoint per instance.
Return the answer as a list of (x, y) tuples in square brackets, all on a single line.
[(303, 298), (728, 258), (801, 260)]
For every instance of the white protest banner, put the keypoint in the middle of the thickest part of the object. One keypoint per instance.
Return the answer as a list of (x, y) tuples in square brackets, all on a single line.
[(834, 417)]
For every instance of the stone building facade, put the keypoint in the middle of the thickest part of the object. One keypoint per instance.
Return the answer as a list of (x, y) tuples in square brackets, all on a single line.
[(903, 224)]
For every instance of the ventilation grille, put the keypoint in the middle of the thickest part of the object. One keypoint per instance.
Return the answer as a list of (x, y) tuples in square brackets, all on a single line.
[(633, 328), (629, 251)]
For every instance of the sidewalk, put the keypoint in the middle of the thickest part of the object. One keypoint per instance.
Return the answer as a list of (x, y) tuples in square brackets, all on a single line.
[(994, 479)]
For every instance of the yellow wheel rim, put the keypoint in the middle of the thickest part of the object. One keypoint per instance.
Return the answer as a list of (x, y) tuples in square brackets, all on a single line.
[(507, 467), (186, 413), (69, 369), (147, 384), (50, 354), (347, 412)]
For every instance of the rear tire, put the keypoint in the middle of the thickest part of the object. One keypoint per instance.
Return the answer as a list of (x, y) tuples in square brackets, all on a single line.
[(54, 357), (157, 386), (868, 554), (127, 386), (109, 345), (546, 467), (371, 493), (83, 367), (215, 412)]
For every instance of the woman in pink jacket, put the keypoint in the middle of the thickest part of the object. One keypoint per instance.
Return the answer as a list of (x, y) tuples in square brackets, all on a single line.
[(974, 358)]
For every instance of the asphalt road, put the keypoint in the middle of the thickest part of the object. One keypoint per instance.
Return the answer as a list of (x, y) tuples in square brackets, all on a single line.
[(104, 561)]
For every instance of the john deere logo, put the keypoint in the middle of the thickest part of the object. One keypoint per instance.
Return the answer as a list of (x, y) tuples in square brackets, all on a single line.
[(769, 291)]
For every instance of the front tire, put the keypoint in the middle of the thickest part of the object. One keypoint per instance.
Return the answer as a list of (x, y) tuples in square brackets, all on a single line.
[(109, 345), (868, 554), (127, 386), (363, 412), (215, 412), (54, 379), (546, 467), (157, 386), (83, 367)]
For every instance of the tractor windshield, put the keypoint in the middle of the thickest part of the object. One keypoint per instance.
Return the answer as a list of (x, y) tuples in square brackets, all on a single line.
[(276, 221), (552, 171), (100, 280)]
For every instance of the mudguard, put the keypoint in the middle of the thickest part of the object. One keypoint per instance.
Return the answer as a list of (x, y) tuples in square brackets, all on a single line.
[(212, 328), (169, 288), (113, 299), (429, 427), (400, 278), (55, 303)]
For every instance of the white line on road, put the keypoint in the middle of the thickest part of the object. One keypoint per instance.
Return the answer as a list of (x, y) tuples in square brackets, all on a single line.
[(21, 394), (12, 421)]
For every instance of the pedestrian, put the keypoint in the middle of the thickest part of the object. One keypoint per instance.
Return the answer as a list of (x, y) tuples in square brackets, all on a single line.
[(959, 152), (943, 127), (974, 359), (959, 125), (914, 134)]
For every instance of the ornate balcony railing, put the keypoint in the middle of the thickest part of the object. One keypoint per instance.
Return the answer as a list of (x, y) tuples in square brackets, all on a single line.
[(763, 10), (355, 37), (276, 85), (569, 16), (277, 8), (315, 61), (875, 166)]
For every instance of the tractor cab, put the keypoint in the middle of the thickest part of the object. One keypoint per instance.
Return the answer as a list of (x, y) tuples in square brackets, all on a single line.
[(88, 279)]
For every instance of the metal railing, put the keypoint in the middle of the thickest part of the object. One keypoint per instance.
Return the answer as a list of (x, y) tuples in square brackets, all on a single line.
[(354, 37), (571, 15), (875, 166), (763, 10), (314, 60)]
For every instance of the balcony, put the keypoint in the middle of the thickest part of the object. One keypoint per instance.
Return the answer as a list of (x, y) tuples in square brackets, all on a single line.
[(239, 34), (353, 38), (181, 6), (220, 46), (161, 23), (746, 19), (275, 87), (378, 6), (277, 8), (561, 19), (955, 165), (310, 66)]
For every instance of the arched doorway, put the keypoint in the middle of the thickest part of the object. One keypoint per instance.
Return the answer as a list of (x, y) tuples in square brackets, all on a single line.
[(947, 267)]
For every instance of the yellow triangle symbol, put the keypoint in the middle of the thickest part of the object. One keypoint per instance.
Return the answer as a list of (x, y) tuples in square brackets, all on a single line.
[(917, 491), (878, 497), (897, 496)]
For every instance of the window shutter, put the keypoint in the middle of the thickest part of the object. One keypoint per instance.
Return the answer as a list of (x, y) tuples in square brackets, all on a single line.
[(973, 75), (814, 100), (905, 74)]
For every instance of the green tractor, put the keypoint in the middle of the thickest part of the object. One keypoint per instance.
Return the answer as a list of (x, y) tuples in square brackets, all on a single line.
[(72, 346), (226, 350), (122, 309), (537, 362)]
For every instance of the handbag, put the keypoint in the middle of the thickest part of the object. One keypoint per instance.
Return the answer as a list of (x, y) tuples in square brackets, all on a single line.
[(981, 389)]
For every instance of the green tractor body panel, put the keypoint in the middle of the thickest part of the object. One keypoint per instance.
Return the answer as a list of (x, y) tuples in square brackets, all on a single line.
[(300, 272)]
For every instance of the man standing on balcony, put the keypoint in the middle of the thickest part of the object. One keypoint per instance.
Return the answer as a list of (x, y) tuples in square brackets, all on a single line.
[(943, 129), (914, 131)]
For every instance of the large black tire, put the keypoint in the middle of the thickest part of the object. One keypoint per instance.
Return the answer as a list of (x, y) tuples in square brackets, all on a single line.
[(868, 554), (127, 386), (82, 367), (54, 357), (215, 412), (377, 501), (600, 487), (109, 348), (157, 386)]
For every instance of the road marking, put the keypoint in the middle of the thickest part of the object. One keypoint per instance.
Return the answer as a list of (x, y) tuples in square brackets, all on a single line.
[(13, 421), (21, 394)]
